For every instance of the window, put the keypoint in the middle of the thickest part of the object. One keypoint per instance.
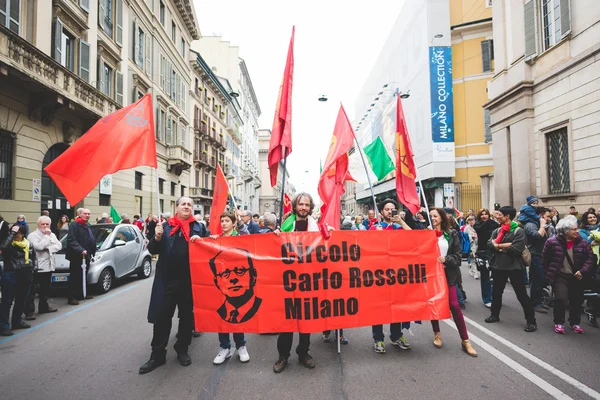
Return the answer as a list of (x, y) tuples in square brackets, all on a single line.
[(138, 180), (7, 149), (173, 133), (162, 72), (162, 205), (197, 178), (85, 5), (169, 135), (182, 47), (173, 31), (487, 131), (161, 14), (487, 55), (138, 45), (107, 22), (160, 131), (557, 150), (106, 76), (10, 14), (64, 50), (182, 190), (205, 181), (552, 18), (110, 18), (104, 200), (173, 187), (488, 3), (161, 187)]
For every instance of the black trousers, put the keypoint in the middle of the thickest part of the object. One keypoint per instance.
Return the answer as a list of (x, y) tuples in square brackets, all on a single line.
[(41, 286), (178, 293), (284, 344), (75, 279), (568, 292), (517, 280)]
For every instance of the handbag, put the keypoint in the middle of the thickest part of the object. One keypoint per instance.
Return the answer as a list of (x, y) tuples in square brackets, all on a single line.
[(526, 257)]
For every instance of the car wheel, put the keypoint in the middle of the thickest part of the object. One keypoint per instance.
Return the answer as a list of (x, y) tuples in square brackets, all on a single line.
[(105, 281), (145, 269)]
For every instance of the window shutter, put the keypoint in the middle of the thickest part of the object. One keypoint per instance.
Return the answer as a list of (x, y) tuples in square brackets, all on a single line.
[(169, 133), (178, 91), (168, 73), (99, 75), (148, 56), (486, 126), (58, 50), (183, 96), (84, 60), (161, 73), (565, 18), (119, 87), (486, 56), (136, 43), (101, 12), (530, 30), (119, 21), (85, 5)]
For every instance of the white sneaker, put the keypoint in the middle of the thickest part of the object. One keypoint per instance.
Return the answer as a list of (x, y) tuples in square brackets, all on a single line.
[(488, 305), (477, 275), (223, 355), (243, 354)]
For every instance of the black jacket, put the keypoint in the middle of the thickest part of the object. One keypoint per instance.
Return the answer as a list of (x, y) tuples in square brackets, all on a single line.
[(163, 248), (484, 232), (80, 238), (453, 259), (253, 227), (14, 257)]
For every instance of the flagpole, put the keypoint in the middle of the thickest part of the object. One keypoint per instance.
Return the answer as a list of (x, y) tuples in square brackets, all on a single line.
[(368, 179), (283, 185)]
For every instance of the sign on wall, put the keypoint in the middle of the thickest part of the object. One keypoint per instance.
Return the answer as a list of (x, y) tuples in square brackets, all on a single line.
[(36, 191), (106, 185), (442, 107)]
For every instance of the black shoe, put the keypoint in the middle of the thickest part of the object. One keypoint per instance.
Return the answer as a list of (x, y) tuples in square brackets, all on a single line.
[(184, 359), (30, 317), (463, 307), (280, 364), (196, 334), (151, 365), (20, 325), (307, 361), (492, 319), (6, 332), (89, 297), (73, 302), (540, 309), (531, 328), (48, 310)]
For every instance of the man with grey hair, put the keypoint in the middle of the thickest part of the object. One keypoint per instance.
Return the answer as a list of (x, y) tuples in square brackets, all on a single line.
[(103, 219), (249, 222), (81, 245), (46, 245), (269, 223)]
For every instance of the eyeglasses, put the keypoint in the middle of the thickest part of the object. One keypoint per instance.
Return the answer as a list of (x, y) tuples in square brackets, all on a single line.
[(238, 271)]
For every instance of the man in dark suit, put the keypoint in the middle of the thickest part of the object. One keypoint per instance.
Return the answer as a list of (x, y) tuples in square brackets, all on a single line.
[(172, 285), (236, 284), (252, 226), (81, 244)]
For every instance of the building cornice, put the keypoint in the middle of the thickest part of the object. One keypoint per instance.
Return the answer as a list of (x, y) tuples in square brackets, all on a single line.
[(250, 86), (188, 14)]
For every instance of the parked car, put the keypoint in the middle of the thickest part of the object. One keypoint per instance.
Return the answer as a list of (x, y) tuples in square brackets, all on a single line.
[(121, 251)]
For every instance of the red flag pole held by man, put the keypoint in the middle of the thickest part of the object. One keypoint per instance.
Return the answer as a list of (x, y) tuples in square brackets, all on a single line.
[(335, 172), (280, 146), (219, 202), (106, 149), (406, 171)]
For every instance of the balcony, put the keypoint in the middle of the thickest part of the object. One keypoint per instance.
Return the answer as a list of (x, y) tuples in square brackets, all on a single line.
[(200, 160), (247, 175), (213, 162), (202, 193), (179, 159), (237, 136), (53, 87)]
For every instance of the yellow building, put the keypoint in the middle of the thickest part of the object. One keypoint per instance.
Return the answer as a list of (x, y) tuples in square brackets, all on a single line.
[(473, 66)]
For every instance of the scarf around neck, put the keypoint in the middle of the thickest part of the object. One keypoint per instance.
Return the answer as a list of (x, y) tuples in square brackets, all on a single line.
[(591, 228), (23, 245), (438, 234), (184, 224), (81, 221), (504, 228)]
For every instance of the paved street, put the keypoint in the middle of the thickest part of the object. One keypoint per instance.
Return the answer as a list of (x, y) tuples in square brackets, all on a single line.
[(94, 351)]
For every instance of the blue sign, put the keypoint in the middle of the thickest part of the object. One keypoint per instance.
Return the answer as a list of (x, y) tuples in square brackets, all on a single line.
[(442, 108)]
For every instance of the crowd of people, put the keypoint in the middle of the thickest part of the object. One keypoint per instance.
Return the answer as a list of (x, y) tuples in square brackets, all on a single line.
[(557, 257)]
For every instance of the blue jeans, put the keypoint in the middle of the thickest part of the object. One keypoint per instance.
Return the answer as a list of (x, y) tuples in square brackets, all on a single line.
[(536, 280), (15, 287), (238, 338), (395, 332), (459, 295)]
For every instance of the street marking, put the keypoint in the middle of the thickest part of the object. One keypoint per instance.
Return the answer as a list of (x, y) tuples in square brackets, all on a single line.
[(527, 374), (579, 385), (36, 327)]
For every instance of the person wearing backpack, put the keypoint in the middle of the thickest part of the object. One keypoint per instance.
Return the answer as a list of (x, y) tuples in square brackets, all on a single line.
[(508, 245)]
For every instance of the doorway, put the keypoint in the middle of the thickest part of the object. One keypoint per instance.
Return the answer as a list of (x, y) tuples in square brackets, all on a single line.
[(52, 198)]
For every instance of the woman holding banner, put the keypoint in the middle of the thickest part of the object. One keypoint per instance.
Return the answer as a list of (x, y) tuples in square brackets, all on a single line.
[(450, 250)]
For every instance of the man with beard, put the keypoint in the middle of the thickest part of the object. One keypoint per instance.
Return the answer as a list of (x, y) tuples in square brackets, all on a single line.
[(300, 221), (172, 285)]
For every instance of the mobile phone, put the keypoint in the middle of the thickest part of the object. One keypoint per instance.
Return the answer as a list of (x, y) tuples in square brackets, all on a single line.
[(394, 213)]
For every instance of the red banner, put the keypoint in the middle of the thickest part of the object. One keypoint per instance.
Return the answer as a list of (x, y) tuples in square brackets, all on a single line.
[(219, 202), (287, 204), (299, 282)]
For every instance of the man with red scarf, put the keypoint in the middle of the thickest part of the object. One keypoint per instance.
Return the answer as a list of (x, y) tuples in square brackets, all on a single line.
[(172, 285), (508, 243), (80, 244)]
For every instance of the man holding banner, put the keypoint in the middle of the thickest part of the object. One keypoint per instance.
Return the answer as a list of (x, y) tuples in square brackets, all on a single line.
[(300, 221)]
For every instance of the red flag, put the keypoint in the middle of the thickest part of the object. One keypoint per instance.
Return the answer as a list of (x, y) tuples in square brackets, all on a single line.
[(335, 171), (281, 134), (406, 172), (287, 204), (121, 140), (219, 202)]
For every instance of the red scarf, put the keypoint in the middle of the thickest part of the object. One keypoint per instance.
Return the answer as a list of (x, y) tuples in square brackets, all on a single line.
[(503, 229), (81, 221), (438, 234), (176, 223)]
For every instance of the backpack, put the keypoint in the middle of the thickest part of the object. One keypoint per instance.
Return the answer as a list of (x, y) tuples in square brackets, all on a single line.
[(465, 242)]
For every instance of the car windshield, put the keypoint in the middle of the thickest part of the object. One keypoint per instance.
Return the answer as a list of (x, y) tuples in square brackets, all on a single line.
[(101, 233)]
